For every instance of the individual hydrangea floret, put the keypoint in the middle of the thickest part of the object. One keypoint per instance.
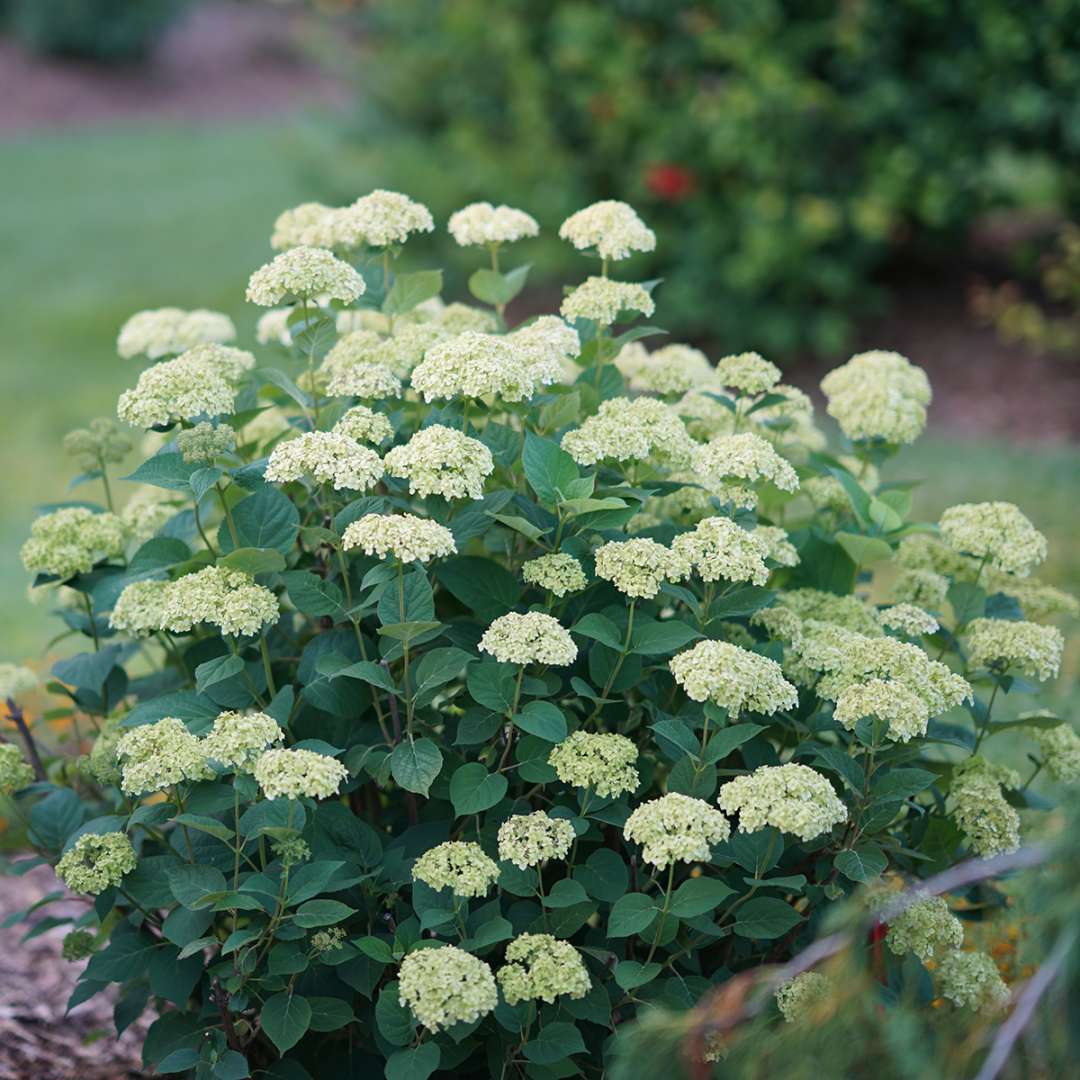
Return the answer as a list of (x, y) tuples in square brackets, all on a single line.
[(441, 461), (227, 599), (473, 365), (101, 443), (156, 756), (384, 217), (482, 223), (903, 712), (364, 425), (560, 574), (532, 638), (78, 945), (205, 442), (748, 372), (997, 532), (96, 862), (547, 347), (303, 273), (602, 300), (1060, 748), (673, 369), (733, 678), (878, 395), (328, 457), (238, 739), (530, 839), (609, 227), (909, 619), (446, 986), (676, 828), (626, 429), (71, 540), (1007, 645), (169, 331), (638, 567), (16, 680), (792, 798), (541, 967), (404, 536), (15, 773), (458, 865), (926, 928), (989, 824), (602, 762), (780, 549), (292, 774), (743, 457), (971, 980), (798, 997), (180, 389), (718, 549)]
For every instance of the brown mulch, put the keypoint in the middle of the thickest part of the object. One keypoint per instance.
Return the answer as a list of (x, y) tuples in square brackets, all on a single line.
[(39, 1039)]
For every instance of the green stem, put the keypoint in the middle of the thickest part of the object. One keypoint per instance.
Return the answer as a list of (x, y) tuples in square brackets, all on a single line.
[(404, 653), (235, 536), (618, 663), (199, 526), (663, 911), (264, 649), (984, 727), (90, 617), (360, 641), (105, 484)]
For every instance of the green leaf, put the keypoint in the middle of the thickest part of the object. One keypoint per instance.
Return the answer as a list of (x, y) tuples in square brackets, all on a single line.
[(549, 469), (742, 602), (313, 595), (232, 1065), (194, 886), (864, 550), (407, 631), (414, 765), (629, 974), (265, 519), (203, 823), (285, 1019), (473, 789), (631, 914), (366, 671), (282, 381), (968, 600), (409, 290), (727, 739), (491, 684), (254, 560), (604, 875), (436, 668), (901, 783), (375, 948), (863, 863), (413, 1064), (483, 586), (698, 896), (166, 470), (565, 893), (661, 638), (542, 719), (562, 412), (394, 1021), (491, 287), (321, 913), (554, 1043), (600, 628), (55, 818), (765, 918), (217, 670)]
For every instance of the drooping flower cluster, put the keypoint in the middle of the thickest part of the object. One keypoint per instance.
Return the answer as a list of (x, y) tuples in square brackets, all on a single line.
[(238, 739), (103, 442), (676, 828), (625, 429), (169, 331), (989, 824), (749, 373), (328, 457), (438, 460), (530, 839), (180, 389), (611, 228), (733, 678), (1006, 645), (291, 774), (157, 756), (71, 540), (792, 798), (15, 773), (995, 531), (903, 712), (446, 986), (909, 619), (560, 574), (96, 861), (205, 442), (1060, 748), (405, 536), (799, 996), (971, 980), (541, 967), (638, 567), (718, 549), (878, 395), (602, 300), (482, 223), (303, 273), (673, 369), (458, 865), (473, 365), (745, 459), (602, 762), (363, 425), (926, 928), (532, 638)]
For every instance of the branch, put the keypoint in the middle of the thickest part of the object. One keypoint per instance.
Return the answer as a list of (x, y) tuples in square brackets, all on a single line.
[(19, 720)]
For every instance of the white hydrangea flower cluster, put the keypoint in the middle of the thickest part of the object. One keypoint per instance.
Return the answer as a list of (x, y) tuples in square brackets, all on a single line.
[(926, 928), (141, 608), (797, 998), (372, 382), (227, 599), (792, 798), (405, 536), (96, 862), (878, 395), (997, 532), (1060, 747), (547, 346), (446, 986), (473, 365), (611, 228), (456, 318), (1007, 645), (399, 353), (238, 739), (733, 678), (205, 442), (223, 360), (559, 573), (292, 774), (602, 762), (328, 457), (531, 839), (989, 824), (625, 429), (745, 458), (16, 680), (541, 967), (532, 638), (748, 372), (904, 713), (102, 441), (1036, 599), (850, 612), (718, 549), (383, 218), (15, 773), (673, 369), (313, 224), (909, 619), (304, 273), (71, 540), (441, 461), (458, 865), (638, 567), (780, 549), (180, 389), (169, 331), (601, 300), (156, 756), (364, 425), (971, 980), (480, 223), (272, 327), (676, 828)]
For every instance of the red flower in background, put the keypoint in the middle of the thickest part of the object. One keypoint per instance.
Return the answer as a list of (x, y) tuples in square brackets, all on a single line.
[(669, 181)]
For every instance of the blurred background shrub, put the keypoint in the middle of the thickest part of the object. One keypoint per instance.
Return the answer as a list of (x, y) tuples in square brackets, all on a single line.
[(784, 149)]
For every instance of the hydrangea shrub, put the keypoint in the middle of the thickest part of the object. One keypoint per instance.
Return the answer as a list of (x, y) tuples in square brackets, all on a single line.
[(459, 690)]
